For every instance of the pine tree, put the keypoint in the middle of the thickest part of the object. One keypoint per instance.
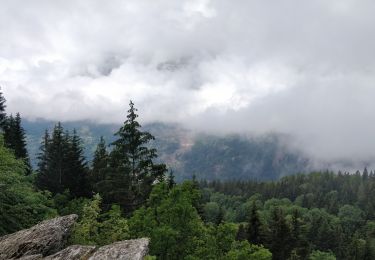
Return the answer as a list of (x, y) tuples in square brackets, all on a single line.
[(241, 233), (100, 164), (55, 150), (9, 133), (132, 159), (76, 173), (42, 178), (100, 160), (297, 238), (15, 139), (254, 226), (279, 236), (62, 165)]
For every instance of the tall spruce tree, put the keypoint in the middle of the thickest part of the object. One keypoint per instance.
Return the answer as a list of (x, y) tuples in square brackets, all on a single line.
[(279, 236), (43, 180), (100, 164), (52, 157), (254, 226), (132, 168), (77, 170), (101, 156)]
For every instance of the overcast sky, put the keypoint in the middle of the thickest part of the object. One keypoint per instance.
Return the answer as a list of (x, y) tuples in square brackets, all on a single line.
[(305, 68)]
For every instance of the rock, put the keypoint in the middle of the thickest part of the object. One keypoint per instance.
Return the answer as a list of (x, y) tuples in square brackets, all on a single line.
[(46, 238), (46, 241), (135, 249), (72, 253), (31, 257)]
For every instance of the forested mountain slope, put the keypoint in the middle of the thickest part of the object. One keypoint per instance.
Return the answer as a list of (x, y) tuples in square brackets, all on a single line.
[(187, 153)]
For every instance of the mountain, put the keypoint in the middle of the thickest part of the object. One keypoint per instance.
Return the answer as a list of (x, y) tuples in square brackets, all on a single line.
[(188, 153)]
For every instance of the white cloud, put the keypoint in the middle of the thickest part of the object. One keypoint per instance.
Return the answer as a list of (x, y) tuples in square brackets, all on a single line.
[(302, 68)]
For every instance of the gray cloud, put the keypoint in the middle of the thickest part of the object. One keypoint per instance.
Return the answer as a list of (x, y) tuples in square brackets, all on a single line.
[(296, 67)]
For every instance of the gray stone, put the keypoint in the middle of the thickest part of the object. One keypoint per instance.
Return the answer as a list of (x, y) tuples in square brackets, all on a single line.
[(75, 252), (31, 257), (46, 241), (46, 238), (135, 249)]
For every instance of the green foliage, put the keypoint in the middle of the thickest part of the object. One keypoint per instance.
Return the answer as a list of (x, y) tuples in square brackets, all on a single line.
[(21, 206), (149, 257), (113, 226), (211, 212), (318, 255), (86, 231), (225, 236), (171, 221), (99, 164), (62, 165), (254, 226), (95, 228), (15, 139), (131, 173), (321, 211), (243, 250), (279, 235), (351, 218), (321, 215)]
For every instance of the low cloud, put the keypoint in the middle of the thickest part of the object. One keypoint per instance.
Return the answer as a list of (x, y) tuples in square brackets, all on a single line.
[(305, 69)]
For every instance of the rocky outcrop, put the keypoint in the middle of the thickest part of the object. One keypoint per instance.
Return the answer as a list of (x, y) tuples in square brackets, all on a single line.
[(75, 252), (47, 240), (135, 249)]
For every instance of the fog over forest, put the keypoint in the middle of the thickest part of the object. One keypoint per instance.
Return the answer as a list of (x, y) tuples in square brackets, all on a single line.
[(304, 69)]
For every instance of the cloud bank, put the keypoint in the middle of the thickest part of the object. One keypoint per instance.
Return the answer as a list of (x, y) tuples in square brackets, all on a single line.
[(296, 67)]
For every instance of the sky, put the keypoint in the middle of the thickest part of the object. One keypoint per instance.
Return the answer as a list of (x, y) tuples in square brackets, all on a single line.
[(301, 68)]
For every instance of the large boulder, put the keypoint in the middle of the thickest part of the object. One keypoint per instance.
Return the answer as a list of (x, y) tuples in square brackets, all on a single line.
[(46, 238), (135, 249), (75, 252)]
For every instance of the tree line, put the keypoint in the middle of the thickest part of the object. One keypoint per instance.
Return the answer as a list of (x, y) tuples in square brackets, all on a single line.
[(123, 193)]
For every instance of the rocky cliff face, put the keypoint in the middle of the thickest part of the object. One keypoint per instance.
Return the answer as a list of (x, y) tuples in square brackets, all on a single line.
[(48, 239)]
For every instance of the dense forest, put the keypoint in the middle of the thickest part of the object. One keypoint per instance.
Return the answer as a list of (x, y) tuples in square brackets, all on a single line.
[(126, 191)]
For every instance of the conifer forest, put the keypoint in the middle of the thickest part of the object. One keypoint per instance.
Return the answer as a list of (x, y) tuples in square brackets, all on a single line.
[(124, 193)]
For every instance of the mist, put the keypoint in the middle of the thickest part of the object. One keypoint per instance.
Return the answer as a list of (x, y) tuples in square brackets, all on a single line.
[(304, 69)]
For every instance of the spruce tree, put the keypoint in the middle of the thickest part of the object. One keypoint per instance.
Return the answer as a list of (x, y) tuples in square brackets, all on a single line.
[(42, 177), (100, 164), (279, 236), (9, 133), (52, 152), (76, 179), (15, 139), (62, 165), (100, 160), (132, 166), (254, 226), (297, 237), (241, 233)]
